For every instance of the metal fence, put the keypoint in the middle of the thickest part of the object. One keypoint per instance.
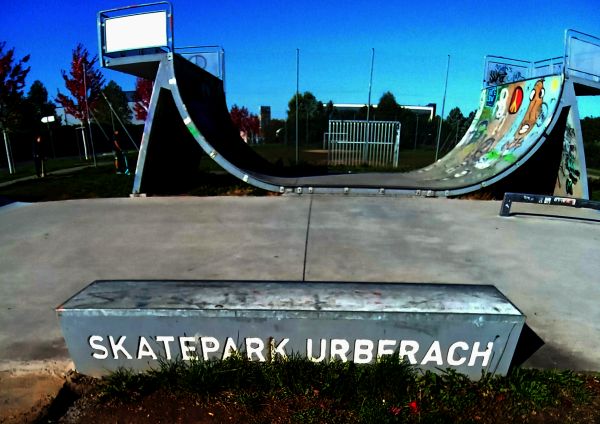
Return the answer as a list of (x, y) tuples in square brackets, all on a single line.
[(354, 143)]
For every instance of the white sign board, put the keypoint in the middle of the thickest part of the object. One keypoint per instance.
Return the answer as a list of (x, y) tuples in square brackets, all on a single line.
[(136, 32)]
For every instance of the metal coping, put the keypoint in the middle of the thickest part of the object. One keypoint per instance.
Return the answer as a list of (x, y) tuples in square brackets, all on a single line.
[(289, 296)]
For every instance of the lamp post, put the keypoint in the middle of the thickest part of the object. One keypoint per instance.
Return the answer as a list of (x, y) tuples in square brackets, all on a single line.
[(437, 144), (46, 120), (297, 93)]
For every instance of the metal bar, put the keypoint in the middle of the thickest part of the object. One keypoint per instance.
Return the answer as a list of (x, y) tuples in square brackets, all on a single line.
[(540, 199), (9, 157)]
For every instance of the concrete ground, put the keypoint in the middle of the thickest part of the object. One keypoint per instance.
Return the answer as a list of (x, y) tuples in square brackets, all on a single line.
[(549, 267)]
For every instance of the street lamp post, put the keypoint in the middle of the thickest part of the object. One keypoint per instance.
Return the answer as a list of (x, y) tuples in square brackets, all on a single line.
[(297, 94), (46, 120), (437, 144)]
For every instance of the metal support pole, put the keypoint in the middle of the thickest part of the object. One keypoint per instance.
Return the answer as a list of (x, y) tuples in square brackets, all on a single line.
[(366, 146), (297, 94), (416, 133), (9, 158), (114, 113), (437, 144), (85, 151), (51, 140), (88, 115)]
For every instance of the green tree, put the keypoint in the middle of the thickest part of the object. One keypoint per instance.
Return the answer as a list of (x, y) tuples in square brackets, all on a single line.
[(36, 106), (12, 82), (114, 95), (312, 118), (388, 108)]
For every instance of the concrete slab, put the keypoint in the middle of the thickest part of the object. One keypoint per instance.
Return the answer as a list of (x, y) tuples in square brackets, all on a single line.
[(548, 267), (49, 251)]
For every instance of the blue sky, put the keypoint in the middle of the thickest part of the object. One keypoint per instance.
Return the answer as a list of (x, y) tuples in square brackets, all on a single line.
[(412, 41)]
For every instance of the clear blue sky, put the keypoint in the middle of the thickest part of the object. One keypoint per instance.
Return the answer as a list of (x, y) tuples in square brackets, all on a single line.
[(412, 41)]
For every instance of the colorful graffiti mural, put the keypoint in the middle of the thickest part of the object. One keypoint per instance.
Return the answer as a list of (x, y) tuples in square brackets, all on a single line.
[(569, 182), (510, 120)]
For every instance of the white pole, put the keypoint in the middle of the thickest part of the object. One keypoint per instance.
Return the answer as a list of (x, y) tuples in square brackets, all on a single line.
[(297, 94), (437, 144), (11, 165), (85, 152), (88, 116), (366, 146)]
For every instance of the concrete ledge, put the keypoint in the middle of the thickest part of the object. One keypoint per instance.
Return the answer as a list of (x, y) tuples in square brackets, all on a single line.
[(134, 324)]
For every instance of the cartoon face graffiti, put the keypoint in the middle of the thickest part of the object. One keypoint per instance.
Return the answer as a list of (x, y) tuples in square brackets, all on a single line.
[(536, 98)]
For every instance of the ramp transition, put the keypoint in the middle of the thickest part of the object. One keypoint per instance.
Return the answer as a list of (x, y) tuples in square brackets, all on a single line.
[(525, 137)]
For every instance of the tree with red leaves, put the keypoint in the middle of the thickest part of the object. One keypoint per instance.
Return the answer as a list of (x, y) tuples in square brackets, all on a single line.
[(143, 92), (77, 85), (248, 123), (12, 82)]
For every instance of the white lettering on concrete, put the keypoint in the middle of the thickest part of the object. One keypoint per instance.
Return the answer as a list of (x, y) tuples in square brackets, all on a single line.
[(363, 351), (229, 349), (340, 348), (452, 351), (118, 347), (144, 349), (409, 353), (209, 345), (382, 347), (187, 349), (255, 346), (278, 349), (485, 355), (165, 340), (434, 354), (322, 351), (92, 342)]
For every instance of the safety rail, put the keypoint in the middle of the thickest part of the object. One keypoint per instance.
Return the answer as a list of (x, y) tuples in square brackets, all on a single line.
[(209, 58), (502, 70), (581, 59), (582, 55)]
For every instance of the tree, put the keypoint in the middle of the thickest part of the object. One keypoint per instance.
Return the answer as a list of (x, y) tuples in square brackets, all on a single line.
[(37, 98), (387, 108), (12, 82), (312, 117), (457, 124), (79, 81), (114, 94), (248, 123), (143, 92)]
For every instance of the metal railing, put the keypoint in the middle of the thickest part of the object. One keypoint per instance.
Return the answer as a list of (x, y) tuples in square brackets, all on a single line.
[(581, 59), (355, 143), (499, 70), (582, 55), (209, 58)]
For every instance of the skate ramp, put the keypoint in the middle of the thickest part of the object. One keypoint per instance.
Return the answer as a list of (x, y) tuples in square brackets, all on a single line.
[(512, 124)]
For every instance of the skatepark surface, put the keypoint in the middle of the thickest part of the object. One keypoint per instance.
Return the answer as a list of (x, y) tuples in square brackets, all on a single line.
[(547, 266)]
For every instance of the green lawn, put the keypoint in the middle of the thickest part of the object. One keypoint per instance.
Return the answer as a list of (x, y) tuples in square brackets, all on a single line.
[(211, 181)]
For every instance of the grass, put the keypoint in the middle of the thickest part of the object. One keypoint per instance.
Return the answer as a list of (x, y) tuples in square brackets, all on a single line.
[(388, 391), (102, 181)]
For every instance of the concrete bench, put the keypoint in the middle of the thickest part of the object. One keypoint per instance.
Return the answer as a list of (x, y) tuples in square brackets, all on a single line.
[(134, 324)]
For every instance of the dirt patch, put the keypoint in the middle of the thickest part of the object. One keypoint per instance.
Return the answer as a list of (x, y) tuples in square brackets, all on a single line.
[(28, 389)]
